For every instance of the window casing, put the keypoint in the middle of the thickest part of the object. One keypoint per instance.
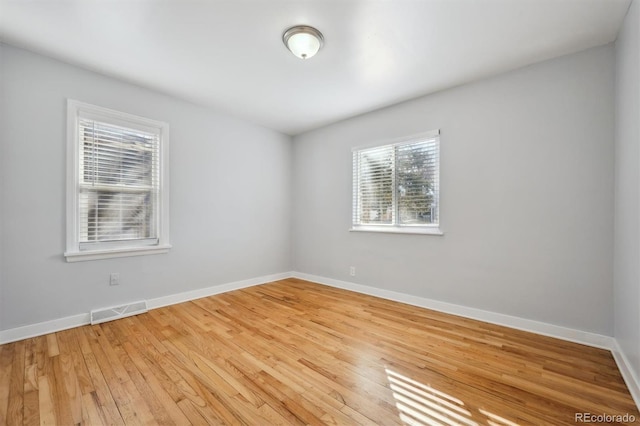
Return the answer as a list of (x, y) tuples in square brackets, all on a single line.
[(396, 186), (117, 184)]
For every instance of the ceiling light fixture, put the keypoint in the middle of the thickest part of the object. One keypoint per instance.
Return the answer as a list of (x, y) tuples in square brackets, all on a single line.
[(303, 41)]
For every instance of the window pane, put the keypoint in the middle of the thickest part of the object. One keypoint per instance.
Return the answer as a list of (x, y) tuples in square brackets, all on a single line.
[(417, 183), (376, 186), (109, 216), (112, 155)]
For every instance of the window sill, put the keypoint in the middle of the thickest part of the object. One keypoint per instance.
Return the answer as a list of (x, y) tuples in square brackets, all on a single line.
[(80, 256), (398, 230)]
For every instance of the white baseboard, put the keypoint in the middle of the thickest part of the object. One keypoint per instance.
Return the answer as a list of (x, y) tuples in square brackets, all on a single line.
[(633, 384), (41, 328), (46, 327), (173, 299), (564, 333)]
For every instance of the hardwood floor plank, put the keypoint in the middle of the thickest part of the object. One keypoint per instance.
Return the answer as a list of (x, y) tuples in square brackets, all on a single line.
[(296, 353), (63, 396), (195, 417), (79, 366), (46, 402), (15, 408), (31, 411), (92, 414), (31, 408), (52, 345), (30, 366), (6, 358)]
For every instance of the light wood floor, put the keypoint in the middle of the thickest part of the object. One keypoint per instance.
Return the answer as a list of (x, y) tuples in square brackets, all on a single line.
[(293, 352)]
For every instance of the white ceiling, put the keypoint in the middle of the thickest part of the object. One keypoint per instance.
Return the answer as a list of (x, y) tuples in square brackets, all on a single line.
[(229, 54)]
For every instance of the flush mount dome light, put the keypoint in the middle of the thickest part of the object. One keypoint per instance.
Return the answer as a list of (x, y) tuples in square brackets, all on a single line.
[(303, 41)]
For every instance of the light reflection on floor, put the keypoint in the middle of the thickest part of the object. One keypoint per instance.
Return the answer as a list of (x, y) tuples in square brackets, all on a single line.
[(422, 405)]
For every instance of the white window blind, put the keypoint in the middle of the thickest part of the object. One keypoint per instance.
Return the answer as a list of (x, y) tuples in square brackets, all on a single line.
[(397, 185), (119, 184)]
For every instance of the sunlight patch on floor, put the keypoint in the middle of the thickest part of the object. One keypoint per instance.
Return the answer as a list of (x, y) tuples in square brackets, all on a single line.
[(422, 405), (495, 420)]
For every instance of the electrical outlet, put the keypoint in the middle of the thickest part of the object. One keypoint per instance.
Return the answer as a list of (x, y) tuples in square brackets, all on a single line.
[(114, 278), (352, 271)]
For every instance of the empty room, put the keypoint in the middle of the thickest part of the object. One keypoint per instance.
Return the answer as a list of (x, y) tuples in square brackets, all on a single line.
[(341, 212)]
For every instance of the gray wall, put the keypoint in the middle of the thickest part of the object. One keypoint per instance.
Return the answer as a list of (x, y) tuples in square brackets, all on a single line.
[(627, 190), (526, 205), (527, 197), (230, 196)]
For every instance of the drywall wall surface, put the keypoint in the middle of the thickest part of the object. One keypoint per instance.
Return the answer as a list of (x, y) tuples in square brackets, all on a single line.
[(627, 190), (229, 194), (526, 204)]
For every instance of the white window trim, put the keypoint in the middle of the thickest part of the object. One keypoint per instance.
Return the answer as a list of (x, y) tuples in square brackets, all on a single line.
[(392, 229), (73, 252), (399, 229)]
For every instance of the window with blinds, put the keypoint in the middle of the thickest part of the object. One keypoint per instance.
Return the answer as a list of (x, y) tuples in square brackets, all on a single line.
[(117, 196), (119, 183), (397, 185)]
